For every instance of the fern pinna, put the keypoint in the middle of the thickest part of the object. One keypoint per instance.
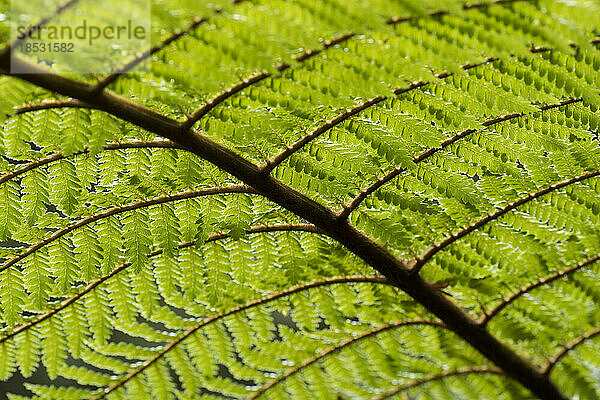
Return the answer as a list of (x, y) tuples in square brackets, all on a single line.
[(308, 199)]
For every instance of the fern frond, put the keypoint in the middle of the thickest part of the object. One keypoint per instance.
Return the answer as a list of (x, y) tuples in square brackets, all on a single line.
[(233, 163), (439, 13), (202, 111), (117, 210), (43, 21), (172, 232), (66, 303), (569, 347), (465, 371), (34, 165), (112, 77), (506, 301), (359, 198), (50, 104), (272, 164), (422, 259), (213, 319), (333, 349)]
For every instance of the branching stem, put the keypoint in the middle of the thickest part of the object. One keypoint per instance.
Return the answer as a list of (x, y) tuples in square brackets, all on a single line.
[(394, 269)]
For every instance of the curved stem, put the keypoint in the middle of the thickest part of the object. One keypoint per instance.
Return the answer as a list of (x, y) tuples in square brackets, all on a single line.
[(536, 284), (391, 175), (487, 4), (439, 13), (437, 377), (399, 20), (299, 144), (427, 255), (63, 304), (396, 270), (251, 304), (333, 349), (158, 144), (202, 111), (121, 209), (326, 44), (97, 282), (112, 77), (221, 97), (360, 197), (442, 75), (51, 104), (570, 346), (34, 28), (255, 78)]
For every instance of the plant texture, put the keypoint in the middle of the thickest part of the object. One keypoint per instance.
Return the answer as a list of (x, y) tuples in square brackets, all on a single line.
[(308, 199)]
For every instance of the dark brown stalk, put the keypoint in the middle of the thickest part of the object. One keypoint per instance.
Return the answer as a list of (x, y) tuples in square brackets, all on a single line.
[(379, 258)]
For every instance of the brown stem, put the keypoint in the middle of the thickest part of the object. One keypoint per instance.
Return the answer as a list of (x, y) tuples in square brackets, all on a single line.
[(50, 104), (439, 13), (327, 44), (338, 347), (487, 4), (299, 144), (221, 97), (255, 78), (443, 75), (110, 78), (360, 197), (568, 347), (391, 175), (162, 144), (34, 28), (399, 20), (379, 258)]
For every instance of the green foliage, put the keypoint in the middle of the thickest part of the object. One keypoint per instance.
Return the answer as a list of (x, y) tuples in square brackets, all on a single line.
[(132, 268)]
